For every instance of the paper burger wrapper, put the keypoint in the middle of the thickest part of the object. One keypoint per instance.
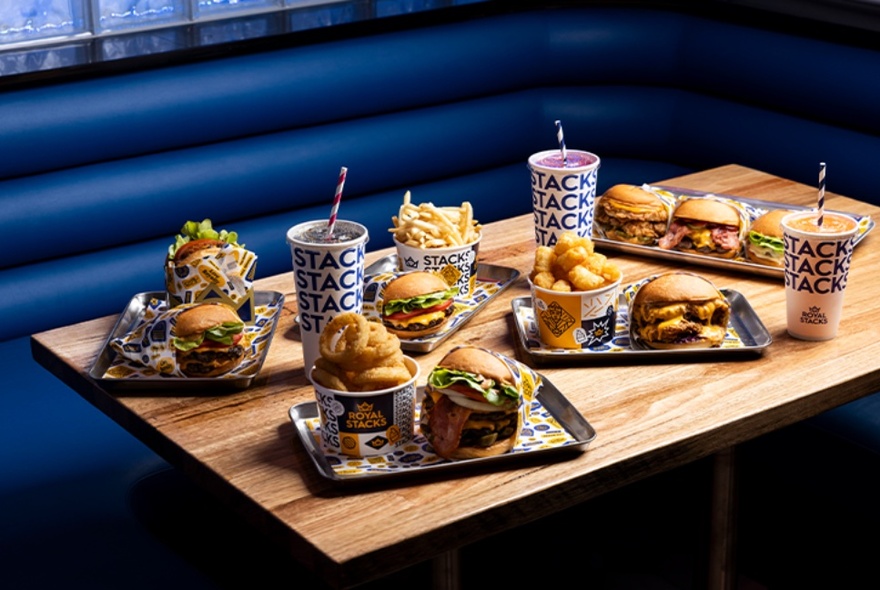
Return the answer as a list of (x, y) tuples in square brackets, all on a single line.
[(148, 343), (226, 277)]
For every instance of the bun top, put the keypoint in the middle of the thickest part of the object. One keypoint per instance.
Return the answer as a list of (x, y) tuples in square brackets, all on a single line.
[(194, 249), (770, 223), (632, 195), (708, 210), (203, 316), (413, 284), (675, 287), (478, 361)]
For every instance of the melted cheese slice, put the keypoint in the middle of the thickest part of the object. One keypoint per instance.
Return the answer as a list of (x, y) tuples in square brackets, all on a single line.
[(420, 319)]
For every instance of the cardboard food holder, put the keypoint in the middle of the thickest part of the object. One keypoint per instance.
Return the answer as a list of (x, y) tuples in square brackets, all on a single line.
[(225, 277)]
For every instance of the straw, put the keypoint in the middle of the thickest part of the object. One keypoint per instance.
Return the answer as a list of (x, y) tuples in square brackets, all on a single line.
[(821, 218), (336, 199), (561, 140)]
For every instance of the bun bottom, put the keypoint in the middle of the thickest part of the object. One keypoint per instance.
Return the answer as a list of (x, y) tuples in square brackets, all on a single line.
[(726, 255), (407, 334), (499, 448), (192, 369), (683, 345), (775, 263)]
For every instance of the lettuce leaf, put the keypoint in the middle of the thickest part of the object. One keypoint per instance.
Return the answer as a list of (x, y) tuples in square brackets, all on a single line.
[(224, 334), (420, 302), (775, 244), (201, 230), (495, 393)]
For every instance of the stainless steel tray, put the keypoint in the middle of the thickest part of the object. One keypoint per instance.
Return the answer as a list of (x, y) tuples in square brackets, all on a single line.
[(553, 426), (491, 281), (753, 207), (746, 334), (267, 305)]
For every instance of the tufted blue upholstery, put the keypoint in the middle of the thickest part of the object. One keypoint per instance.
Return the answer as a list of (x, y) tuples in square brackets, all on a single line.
[(99, 173)]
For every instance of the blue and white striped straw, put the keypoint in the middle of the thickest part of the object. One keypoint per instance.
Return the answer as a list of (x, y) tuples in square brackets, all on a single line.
[(561, 140), (821, 217)]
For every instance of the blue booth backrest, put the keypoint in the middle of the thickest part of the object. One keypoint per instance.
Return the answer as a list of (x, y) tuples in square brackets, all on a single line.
[(99, 174)]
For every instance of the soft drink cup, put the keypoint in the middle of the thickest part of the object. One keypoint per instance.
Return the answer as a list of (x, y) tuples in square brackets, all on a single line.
[(563, 193), (328, 276)]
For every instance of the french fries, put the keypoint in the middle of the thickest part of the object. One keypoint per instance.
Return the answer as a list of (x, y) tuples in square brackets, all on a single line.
[(428, 226), (572, 265)]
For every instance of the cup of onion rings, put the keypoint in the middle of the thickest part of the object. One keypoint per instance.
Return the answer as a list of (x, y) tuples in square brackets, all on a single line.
[(365, 387)]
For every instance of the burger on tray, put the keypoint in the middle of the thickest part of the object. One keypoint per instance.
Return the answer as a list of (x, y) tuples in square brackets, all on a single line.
[(707, 226), (473, 405), (678, 310), (764, 243), (206, 264), (632, 214), (417, 304)]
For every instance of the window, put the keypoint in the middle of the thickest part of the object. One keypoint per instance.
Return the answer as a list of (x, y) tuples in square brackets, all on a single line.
[(37, 35)]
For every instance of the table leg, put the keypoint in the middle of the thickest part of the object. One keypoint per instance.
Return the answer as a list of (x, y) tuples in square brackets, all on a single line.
[(446, 571), (722, 533)]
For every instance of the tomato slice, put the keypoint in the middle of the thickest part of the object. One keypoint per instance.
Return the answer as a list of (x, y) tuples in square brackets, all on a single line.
[(402, 315), (208, 343), (468, 392)]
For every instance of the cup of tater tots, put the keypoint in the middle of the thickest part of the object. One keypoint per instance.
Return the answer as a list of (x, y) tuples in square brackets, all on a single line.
[(575, 293), (443, 240)]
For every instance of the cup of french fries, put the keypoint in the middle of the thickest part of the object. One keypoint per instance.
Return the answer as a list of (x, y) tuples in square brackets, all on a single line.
[(575, 293), (443, 240)]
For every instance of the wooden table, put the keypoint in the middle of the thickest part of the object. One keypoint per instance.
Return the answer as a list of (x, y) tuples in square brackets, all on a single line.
[(243, 448)]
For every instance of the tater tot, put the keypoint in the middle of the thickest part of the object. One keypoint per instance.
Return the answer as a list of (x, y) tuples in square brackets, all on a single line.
[(584, 280), (545, 257), (572, 265), (572, 258), (544, 280)]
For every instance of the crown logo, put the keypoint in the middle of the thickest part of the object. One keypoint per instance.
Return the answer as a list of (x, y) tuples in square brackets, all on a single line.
[(815, 309), (365, 407)]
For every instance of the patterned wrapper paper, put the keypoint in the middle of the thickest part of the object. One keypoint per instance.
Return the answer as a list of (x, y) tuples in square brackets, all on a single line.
[(226, 277), (149, 341)]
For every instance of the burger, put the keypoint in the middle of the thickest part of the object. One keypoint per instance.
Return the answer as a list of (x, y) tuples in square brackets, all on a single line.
[(417, 304), (207, 340), (472, 405), (704, 226), (198, 240), (679, 310), (629, 213), (764, 243)]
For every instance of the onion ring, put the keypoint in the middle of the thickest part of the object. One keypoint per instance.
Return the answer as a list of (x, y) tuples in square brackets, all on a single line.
[(352, 341)]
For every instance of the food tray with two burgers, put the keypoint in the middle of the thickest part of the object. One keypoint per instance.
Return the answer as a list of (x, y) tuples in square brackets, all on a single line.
[(209, 329), (532, 419), (697, 227)]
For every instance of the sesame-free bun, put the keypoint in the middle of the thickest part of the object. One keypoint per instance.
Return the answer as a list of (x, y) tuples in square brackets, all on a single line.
[(195, 250), (205, 316), (708, 210), (674, 287), (770, 223), (413, 284), (679, 310), (478, 361), (633, 195)]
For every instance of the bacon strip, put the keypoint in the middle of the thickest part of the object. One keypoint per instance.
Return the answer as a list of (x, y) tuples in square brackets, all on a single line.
[(447, 421)]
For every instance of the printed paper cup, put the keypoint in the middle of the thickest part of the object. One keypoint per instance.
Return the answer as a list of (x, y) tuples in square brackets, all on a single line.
[(368, 423), (456, 264), (563, 198), (576, 319)]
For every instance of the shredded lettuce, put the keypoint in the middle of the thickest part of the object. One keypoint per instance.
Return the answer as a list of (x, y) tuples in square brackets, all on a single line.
[(420, 302), (224, 334), (201, 230), (495, 393), (775, 244)]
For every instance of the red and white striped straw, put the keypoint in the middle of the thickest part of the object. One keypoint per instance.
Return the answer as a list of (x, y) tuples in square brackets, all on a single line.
[(336, 200), (820, 218)]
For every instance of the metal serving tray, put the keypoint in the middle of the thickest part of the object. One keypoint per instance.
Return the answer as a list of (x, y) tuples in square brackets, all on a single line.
[(753, 207), (553, 426), (746, 334), (491, 281), (132, 376)]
